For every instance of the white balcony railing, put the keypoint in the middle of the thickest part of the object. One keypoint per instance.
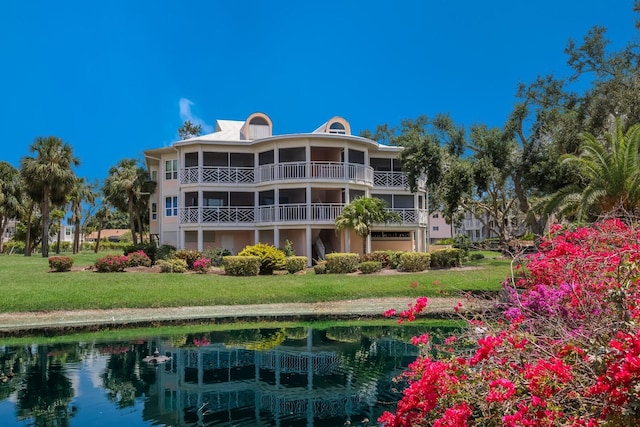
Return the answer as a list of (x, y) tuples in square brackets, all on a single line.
[(323, 213), (212, 174), (222, 214), (390, 179)]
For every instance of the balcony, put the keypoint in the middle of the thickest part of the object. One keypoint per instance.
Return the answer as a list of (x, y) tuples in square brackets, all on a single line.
[(293, 171), (302, 214), (217, 175)]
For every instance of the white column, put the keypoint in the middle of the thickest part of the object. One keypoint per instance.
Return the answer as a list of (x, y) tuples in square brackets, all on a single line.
[(309, 245), (200, 238), (276, 236), (256, 236)]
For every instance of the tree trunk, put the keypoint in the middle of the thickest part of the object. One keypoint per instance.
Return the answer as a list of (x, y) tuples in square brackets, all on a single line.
[(141, 229), (76, 236), (59, 236), (27, 246), (4, 224), (132, 225), (45, 223), (95, 250)]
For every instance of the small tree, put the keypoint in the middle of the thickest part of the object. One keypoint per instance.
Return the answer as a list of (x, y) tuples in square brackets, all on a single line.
[(189, 130), (361, 214)]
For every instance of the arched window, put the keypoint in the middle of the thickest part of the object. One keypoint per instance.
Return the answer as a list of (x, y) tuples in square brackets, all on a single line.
[(259, 126), (337, 127)]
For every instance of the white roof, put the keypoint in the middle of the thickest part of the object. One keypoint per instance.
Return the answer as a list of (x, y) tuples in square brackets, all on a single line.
[(322, 128), (226, 130)]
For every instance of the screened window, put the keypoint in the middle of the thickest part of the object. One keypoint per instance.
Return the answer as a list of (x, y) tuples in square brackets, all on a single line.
[(154, 211)]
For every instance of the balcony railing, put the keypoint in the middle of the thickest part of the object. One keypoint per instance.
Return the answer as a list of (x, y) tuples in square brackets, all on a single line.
[(390, 179), (214, 174), (222, 214), (314, 213)]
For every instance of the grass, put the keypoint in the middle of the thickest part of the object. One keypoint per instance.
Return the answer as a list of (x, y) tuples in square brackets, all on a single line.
[(27, 285)]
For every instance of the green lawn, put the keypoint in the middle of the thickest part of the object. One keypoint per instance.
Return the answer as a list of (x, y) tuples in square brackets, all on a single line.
[(27, 285)]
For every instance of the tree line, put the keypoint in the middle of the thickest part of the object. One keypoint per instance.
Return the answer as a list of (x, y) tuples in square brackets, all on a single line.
[(562, 153)]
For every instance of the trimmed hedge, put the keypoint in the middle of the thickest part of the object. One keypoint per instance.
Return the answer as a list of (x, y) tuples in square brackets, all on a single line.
[(150, 249), (320, 267), (138, 258), (394, 259), (245, 265), (380, 256), (216, 255), (447, 258), (60, 263), (189, 256), (293, 264), (111, 263), (414, 261), (173, 265), (271, 258), (369, 267), (340, 263)]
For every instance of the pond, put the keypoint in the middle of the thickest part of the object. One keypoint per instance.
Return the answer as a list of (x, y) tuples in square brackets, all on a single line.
[(300, 376)]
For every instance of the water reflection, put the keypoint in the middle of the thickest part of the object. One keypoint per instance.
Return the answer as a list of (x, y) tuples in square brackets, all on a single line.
[(252, 377)]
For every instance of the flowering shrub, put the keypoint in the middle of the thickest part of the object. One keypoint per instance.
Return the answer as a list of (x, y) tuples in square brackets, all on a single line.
[(111, 263), (564, 349), (201, 265), (173, 265), (138, 259), (60, 263)]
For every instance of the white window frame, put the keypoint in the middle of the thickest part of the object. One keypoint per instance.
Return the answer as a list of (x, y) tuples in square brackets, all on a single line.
[(171, 206)]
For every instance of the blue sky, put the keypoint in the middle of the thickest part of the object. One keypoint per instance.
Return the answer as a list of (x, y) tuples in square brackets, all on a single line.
[(114, 78)]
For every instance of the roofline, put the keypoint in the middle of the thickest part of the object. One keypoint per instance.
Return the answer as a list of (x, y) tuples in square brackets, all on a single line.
[(248, 142)]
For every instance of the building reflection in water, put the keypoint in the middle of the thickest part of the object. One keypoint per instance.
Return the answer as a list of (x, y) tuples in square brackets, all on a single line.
[(312, 379)]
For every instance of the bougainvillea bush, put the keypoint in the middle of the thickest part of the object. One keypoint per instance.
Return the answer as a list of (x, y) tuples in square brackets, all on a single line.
[(563, 350)]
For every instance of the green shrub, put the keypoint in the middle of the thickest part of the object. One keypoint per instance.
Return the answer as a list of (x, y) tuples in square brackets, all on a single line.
[(150, 249), (380, 256), (320, 267), (369, 267), (294, 264), (189, 256), (111, 263), (138, 258), (13, 247), (245, 265), (394, 259), (288, 249), (414, 261), (173, 265), (60, 263), (271, 258), (447, 241), (341, 263), (476, 256), (216, 255), (447, 258), (64, 247), (165, 252)]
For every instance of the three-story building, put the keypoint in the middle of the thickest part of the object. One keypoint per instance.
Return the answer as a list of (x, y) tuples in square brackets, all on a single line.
[(242, 184)]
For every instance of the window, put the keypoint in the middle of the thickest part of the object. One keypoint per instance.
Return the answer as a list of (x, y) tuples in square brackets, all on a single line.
[(154, 211), (171, 206), (67, 231), (435, 216), (171, 169), (154, 175), (338, 128), (436, 228)]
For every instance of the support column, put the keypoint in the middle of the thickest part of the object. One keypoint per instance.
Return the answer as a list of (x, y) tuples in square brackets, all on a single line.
[(276, 236), (256, 236), (200, 238), (309, 245)]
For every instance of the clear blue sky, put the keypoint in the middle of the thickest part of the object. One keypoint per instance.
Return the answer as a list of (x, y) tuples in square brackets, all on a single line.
[(116, 77)]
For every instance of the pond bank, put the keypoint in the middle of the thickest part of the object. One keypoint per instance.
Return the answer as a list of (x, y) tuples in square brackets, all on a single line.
[(17, 323)]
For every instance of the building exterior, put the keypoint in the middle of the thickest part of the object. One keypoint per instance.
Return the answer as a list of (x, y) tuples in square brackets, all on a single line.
[(242, 184)]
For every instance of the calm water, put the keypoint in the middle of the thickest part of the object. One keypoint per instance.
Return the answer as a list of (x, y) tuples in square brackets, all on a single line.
[(248, 377)]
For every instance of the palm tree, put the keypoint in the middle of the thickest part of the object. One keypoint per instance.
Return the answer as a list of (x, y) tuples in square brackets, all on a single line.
[(49, 176), (82, 192), (361, 214), (611, 173), (122, 189), (103, 214), (11, 192)]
